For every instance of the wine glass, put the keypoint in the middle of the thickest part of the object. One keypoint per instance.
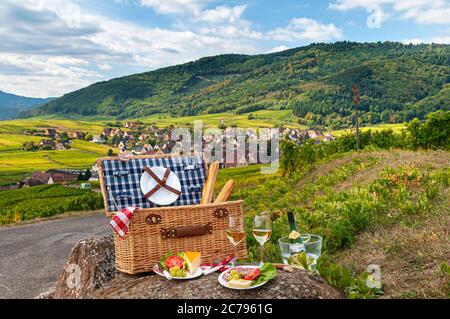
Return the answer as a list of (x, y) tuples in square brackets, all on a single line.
[(235, 234), (262, 230)]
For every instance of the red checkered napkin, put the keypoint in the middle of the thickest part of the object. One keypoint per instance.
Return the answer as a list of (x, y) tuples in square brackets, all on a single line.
[(121, 221)]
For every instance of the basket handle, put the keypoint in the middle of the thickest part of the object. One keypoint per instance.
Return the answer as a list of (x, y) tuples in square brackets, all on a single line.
[(189, 231)]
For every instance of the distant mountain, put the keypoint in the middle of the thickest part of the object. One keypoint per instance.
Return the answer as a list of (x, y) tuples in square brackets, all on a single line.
[(403, 81), (11, 104)]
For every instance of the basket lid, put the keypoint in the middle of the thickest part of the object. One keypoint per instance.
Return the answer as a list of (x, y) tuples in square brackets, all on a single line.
[(121, 180)]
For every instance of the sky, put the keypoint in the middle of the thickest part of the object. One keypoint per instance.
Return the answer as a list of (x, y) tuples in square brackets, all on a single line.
[(53, 47)]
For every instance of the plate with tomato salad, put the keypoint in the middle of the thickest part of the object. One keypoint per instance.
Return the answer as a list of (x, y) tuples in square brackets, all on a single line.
[(179, 266), (247, 277)]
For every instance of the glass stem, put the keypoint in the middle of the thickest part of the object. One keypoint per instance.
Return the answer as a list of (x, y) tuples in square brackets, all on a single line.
[(261, 255), (235, 255)]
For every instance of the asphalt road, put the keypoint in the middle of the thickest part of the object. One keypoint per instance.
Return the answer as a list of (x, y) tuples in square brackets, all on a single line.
[(32, 256)]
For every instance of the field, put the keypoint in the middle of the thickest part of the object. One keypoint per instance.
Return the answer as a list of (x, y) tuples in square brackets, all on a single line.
[(15, 141), (91, 125), (394, 127), (263, 118), (45, 201), (16, 163)]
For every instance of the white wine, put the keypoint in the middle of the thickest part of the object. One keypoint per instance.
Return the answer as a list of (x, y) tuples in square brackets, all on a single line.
[(262, 235), (235, 236)]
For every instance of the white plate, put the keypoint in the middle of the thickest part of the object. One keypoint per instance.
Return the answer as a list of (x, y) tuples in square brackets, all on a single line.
[(224, 283), (162, 196), (196, 274)]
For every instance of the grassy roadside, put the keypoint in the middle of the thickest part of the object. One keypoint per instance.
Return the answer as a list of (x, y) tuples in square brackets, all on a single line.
[(65, 215)]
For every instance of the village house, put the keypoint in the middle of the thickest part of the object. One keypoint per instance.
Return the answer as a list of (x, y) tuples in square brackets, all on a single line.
[(158, 135), (49, 177), (166, 137), (99, 139), (106, 132), (60, 146), (121, 146), (148, 147), (61, 178), (116, 132), (50, 132), (314, 134), (47, 144), (129, 135), (144, 137), (78, 135), (131, 125), (94, 172), (235, 160), (329, 137)]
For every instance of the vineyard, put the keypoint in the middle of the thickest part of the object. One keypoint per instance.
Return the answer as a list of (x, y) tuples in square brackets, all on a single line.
[(346, 197), (45, 201)]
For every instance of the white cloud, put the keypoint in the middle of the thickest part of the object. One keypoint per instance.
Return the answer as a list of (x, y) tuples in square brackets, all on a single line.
[(305, 29), (421, 11), (105, 67), (222, 14), (46, 56), (175, 6), (278, 48), (440, 39), (66, 60), (39, 76)]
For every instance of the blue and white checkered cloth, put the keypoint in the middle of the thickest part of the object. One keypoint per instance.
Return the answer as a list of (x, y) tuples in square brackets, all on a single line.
[(122, 180)]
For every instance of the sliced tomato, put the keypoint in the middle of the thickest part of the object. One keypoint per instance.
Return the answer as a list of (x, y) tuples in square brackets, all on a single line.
[(173, 261), (253, 275)]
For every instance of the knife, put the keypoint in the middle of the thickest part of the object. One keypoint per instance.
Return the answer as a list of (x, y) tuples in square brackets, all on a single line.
[(217, 266), (165, 272)]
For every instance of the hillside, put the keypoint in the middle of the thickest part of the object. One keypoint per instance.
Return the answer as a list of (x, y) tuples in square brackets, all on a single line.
[(387, 208), (397, 82), (11, 104)]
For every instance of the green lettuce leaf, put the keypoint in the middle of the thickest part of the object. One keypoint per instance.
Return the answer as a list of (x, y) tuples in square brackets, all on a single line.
[(268, 272)]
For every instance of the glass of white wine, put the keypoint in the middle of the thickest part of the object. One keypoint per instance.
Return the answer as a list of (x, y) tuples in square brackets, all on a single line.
[(262, 230), (235, 234)]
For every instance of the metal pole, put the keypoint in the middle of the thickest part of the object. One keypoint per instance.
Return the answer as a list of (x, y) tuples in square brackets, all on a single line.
[(355, 102)]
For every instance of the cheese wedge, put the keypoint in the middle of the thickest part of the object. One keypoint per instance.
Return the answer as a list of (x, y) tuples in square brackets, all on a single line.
[(193, 260), (240, 283)]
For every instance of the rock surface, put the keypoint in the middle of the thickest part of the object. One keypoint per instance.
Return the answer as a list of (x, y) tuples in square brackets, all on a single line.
[(90, 273), (90, 264), (287, 285)]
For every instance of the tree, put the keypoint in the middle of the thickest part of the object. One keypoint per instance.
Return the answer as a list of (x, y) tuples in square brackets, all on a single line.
[(385, 116), (29, 146), (110, 152), (64, 136)]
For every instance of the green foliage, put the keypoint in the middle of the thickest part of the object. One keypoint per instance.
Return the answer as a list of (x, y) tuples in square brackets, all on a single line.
[(434, 133), (340, 277), (45, 201), (30, 146), (397, 83), (445, 270)]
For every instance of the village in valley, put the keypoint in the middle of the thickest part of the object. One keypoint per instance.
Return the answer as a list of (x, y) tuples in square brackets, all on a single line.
[(135, 138)]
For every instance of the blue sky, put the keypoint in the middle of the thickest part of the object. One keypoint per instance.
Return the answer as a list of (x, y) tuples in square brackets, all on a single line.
[(52, 47)]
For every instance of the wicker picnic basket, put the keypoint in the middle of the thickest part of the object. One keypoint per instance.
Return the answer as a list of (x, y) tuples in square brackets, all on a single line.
[(156, 230)]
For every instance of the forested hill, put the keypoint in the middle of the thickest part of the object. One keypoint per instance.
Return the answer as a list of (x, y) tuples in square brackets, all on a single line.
[(397, 82), (11, 104)]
